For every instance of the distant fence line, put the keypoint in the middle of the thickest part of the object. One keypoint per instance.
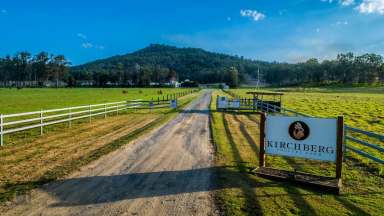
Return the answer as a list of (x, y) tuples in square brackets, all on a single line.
[(39, 119), (251, 104)]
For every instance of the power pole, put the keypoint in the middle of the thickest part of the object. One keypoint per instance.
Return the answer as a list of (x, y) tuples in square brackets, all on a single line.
[(258, 78)]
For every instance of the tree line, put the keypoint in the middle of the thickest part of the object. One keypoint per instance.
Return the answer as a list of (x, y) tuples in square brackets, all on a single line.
[(161, 65), (347, 69), (25, 69)]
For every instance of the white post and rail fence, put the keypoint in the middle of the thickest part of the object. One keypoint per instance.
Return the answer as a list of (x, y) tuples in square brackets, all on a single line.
[(12, 123)]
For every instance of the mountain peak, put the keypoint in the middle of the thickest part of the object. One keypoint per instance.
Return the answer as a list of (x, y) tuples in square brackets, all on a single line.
[(156, 48), (157, 60)]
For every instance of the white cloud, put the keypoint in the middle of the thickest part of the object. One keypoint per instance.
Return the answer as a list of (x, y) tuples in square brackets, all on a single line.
[(82, 36), (341, 2), (347, 2), (3, 11), (255, 15), (87, 45), (338, 23), (342, 23), (371, 7)]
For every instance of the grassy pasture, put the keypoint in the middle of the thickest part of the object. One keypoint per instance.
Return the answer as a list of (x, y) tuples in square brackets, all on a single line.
[(361, 107), (236, 137), (34, 99), (29, 160)]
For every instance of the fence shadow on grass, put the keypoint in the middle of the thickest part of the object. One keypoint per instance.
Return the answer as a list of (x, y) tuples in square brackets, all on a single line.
[(246, 183), (292, 191), (248, 137)]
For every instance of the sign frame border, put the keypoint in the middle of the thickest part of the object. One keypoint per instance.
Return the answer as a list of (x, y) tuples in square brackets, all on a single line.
[(339, 148)]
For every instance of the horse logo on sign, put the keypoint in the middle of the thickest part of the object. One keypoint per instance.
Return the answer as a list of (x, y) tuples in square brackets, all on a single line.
[(299, 130)]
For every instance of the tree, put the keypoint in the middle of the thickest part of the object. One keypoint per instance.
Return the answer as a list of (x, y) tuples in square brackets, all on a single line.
[(40, 68), (233, 77), (59, 67), (144, 76), (162, 64), (345, 62)]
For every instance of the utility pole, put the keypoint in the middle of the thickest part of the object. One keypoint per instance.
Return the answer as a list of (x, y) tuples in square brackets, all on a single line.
[(258, 77)]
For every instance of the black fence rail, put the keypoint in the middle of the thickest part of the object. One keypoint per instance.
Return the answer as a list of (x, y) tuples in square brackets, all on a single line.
[(174, 96), (352, 134)]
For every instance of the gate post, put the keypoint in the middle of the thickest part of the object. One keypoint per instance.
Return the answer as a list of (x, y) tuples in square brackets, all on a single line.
[(262, 140), (41, 122), (339, 148), (217, 101), (105, 110), (254, 104)]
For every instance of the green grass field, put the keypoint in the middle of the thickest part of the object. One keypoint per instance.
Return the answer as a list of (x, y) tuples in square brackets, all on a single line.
[(361, 107), (236, 139), (29, 160), (31, 99)]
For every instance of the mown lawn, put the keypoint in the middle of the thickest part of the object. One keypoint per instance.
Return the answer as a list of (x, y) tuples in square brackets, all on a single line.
[(236, 137), (34, 99)]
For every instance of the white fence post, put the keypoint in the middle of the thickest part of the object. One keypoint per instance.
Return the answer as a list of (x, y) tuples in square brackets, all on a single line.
[(105, 110), (90, 114), (1, 130), (70, 117), (117, 109), (41, 122)]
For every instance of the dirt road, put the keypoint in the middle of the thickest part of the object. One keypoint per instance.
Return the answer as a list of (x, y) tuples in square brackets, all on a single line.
[(168, 172)]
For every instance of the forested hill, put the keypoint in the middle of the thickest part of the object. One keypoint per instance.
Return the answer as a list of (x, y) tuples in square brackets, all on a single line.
[(160, 63), (163, 64)]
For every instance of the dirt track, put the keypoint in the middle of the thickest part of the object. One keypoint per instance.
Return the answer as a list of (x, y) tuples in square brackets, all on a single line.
[(168, 172)]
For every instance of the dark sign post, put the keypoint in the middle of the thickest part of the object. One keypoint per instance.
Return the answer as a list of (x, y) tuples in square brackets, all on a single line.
[(262, 140), (287, 136), (340, 141)]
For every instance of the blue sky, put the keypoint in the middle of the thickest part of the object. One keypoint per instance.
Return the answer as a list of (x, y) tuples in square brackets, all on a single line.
[(272, 30)]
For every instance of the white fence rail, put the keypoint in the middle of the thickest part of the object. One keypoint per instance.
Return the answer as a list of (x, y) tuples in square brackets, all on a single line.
[(11, 123)]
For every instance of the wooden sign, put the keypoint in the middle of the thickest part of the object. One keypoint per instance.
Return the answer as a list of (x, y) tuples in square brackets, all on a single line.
[(310, 138), (222, 102), (173, 104), (302, 137)]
